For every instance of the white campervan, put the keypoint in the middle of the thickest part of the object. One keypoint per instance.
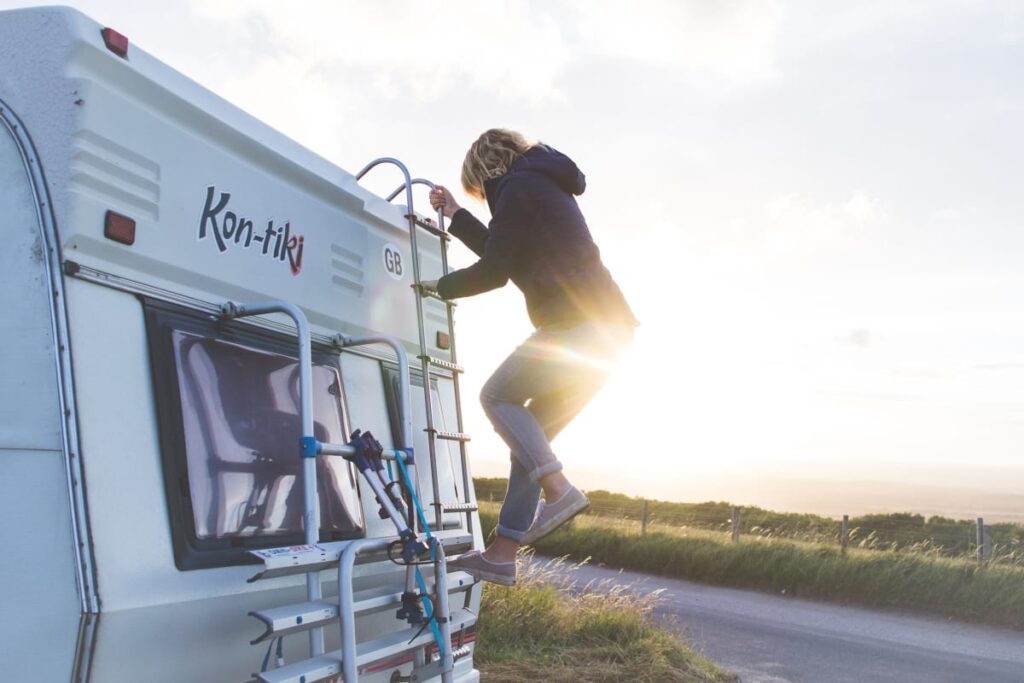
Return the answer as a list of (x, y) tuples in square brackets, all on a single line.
[(215, 461)]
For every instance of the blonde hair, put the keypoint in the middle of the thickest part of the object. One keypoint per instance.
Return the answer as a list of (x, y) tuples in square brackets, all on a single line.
[(490, 157)]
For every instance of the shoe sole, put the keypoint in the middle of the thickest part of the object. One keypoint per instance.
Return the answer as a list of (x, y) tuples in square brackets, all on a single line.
[(483, 574), (500, 579), (554, 523)]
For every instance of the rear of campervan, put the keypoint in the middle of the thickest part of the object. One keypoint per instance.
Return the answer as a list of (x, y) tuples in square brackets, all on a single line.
[(148, 442)]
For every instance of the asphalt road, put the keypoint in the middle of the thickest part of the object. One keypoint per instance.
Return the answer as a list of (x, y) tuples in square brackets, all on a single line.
[(771, 639)]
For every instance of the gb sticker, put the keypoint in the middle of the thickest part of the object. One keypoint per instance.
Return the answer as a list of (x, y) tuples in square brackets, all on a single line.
[(393, 262)]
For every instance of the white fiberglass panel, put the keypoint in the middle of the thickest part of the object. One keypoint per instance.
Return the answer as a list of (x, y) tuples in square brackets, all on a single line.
[(29, 414), (40, 604), (39, 600)]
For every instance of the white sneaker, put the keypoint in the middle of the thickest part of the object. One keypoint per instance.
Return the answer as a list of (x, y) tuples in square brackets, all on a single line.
[(475, 563), (553, 515)]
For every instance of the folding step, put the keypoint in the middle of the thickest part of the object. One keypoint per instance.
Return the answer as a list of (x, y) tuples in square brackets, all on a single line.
[(461, 507), (302, 559), (438, 362), (281, 621), (449, 436), (329, 665)]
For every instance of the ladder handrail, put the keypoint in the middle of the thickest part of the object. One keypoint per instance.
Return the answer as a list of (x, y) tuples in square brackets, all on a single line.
[(440, 212), (444, 652), (311, 512), (394, 162), (404, 407), (404, 379), (346, 600), (414, 181), (428, 398)]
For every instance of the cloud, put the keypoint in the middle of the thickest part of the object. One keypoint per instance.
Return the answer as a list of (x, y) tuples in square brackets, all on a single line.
[(794, 222), (999, 367), (921, 372), (947, 215), (873, 396), (511, 50), (410, 49), (859, 338), (734, 40)]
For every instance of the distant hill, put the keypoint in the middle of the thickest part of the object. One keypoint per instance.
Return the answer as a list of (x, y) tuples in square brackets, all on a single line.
[(834, 498), (997, 495)]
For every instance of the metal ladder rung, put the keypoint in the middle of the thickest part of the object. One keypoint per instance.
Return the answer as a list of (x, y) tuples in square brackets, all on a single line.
[(449, 436), (430, 294), (280, 621), (461, 507), (447, 365), (430, 227)]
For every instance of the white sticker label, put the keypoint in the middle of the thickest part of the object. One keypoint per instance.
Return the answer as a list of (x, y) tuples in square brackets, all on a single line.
[(290, 550), (394, 262)]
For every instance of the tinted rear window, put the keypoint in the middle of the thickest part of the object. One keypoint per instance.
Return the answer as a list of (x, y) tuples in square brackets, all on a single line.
[(228, 397)]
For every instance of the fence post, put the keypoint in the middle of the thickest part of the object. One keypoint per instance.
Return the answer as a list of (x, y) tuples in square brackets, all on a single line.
[(986, 547), (643, 520), (844, 534), (980, 539), (735, 523)]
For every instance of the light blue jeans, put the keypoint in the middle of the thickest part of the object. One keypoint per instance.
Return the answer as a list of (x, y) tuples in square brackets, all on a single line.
[(534, 394)]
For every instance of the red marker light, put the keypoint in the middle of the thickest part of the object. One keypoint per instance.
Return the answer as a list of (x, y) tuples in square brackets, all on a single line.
[(119, 228), (116, 42)]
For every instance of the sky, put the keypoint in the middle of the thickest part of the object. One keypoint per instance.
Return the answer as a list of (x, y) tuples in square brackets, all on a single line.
[(813, 207)]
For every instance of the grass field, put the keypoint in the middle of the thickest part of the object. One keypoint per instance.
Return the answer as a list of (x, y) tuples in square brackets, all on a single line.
[(925, 581), (896, 531), (538, 632)]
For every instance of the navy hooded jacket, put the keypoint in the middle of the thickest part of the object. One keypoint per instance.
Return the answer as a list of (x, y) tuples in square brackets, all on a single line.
[(539, 239)]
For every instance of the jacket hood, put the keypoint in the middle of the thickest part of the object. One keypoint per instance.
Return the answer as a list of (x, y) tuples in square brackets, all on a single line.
[(555, 165), (545, 160)]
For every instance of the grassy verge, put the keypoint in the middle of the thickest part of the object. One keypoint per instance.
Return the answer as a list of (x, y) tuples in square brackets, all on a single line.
[(537, 632), (923, 582)]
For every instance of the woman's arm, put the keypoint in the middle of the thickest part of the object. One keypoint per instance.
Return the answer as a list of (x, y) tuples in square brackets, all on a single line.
[(469, 230), (502, 247), (464, 225)]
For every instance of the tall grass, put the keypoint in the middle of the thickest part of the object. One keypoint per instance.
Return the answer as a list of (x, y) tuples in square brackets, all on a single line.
[(538, 632), (923, 582)]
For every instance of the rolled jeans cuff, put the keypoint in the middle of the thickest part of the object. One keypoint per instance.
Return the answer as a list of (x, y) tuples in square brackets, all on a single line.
[(505, 532), (544, 470)]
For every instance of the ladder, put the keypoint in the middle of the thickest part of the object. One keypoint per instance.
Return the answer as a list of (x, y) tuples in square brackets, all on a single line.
[(429, 364), (313, 557)]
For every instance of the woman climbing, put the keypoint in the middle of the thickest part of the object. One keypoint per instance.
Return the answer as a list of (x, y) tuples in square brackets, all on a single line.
[(538, 239)]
